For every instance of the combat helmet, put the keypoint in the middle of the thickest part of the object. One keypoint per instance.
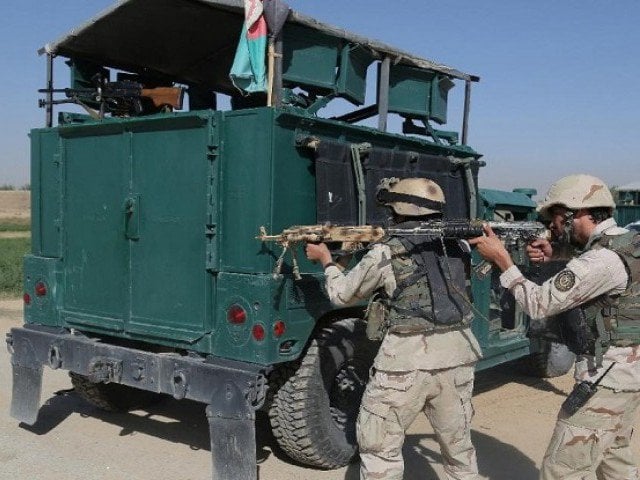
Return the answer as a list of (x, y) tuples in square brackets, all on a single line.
[(411, 196), (575, 192)]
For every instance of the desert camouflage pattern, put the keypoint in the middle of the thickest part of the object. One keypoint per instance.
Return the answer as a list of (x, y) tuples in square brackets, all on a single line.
[(357, 237), (594, 442), (399, 352), (372, 272), (391, 402), (419, 187), (413, 373), (413, 351), (576, 192), (596, 272), (325, 233)]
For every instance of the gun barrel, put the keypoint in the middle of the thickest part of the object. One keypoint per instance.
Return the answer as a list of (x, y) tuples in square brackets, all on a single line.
[(472, 228), (66, 90)]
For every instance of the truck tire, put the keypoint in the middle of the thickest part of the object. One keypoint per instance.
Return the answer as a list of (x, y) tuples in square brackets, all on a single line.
[(551, 360), (111, 397), (314, 412)]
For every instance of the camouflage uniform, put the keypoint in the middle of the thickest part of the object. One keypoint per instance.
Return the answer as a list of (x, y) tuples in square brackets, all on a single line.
[(594, 442), (414, 372)]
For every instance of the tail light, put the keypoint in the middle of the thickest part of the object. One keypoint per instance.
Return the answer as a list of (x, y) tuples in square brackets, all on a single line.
[(258, 332), (236, 315), (40, 289), (279, 328), (27, 299)]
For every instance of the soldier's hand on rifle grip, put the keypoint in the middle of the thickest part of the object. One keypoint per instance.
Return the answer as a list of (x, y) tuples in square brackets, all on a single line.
[(491, 248), (540, 250), (318, 252)]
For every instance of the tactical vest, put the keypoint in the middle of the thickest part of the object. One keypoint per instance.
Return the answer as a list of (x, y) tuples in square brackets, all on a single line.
[(431, 286), (615, 320)]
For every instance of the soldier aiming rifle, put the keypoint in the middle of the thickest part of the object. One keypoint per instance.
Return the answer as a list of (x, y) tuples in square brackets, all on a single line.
[(422, 313), (594, 426)]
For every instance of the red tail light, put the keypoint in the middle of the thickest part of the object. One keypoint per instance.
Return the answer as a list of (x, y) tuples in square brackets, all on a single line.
[(236, 315), (258, 332), (40, 289), (279, 328), (27, 298)]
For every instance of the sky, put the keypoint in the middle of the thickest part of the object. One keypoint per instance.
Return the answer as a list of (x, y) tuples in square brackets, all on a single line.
[(558, 91)]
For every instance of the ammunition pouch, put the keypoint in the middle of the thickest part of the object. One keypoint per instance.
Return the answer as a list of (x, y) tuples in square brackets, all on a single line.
[(430, 294), (575, 332), (377, 318), (617, 318), (622, 326)]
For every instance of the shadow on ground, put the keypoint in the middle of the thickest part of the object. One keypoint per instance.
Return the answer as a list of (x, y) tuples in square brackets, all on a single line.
[(496, 460), (511, 372), (185, 422)]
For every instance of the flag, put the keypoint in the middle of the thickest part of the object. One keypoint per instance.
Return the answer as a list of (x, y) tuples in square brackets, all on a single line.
[(248, 72)]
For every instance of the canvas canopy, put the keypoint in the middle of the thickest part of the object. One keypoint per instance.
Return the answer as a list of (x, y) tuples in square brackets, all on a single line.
[(190, 41)]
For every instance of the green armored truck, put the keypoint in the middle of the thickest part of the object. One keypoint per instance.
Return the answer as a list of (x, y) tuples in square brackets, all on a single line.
[(152, 182)]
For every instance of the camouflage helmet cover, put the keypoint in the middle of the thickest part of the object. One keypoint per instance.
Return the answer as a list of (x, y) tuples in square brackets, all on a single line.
[(411, 196), (575, 192)]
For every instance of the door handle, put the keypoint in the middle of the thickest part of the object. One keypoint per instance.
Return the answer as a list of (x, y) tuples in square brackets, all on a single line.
[(132, 217)]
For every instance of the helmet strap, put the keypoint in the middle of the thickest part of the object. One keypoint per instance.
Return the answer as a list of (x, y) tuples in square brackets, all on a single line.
[(385, 196), (567, 227)]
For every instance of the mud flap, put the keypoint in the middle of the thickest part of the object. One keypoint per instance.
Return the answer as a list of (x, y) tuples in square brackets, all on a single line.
[(233, 434), (27, 382)]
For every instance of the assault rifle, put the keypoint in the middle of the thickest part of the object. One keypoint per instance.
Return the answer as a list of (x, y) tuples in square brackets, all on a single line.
[(121, 98), (352, 238)]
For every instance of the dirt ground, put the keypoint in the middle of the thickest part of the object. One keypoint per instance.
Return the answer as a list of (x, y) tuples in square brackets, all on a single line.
[(72, 440), (15, 204), (15, 234)]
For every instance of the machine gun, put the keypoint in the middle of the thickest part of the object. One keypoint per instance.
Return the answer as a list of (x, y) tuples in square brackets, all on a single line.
[(353, 238), (120, 98)]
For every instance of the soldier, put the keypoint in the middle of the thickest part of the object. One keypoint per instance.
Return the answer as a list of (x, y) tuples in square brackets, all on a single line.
[(428, 353), (594, 426)]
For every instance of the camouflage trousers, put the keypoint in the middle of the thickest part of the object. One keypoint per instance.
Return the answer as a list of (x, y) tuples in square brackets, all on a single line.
[(594, 442), (391, 402)]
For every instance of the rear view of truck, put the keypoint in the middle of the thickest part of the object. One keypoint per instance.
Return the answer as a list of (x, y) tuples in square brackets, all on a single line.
[(146, 276)]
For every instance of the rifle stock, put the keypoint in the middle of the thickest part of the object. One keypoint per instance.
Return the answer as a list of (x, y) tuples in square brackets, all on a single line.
[(162, 96)]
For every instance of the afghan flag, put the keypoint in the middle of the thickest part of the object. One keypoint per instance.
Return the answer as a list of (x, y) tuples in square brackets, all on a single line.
[(248, 72)]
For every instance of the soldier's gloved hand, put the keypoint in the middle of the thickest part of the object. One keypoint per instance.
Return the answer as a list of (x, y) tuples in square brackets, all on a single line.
[(540, 250), (318, 252)]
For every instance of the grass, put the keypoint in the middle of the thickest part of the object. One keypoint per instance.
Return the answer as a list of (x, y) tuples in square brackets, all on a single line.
[(11, 252), (15, 226)]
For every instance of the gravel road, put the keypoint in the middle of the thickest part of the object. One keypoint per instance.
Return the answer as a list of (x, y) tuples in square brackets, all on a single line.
[(74, 441)]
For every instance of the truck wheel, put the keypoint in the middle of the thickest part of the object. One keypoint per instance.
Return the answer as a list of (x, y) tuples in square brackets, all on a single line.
[(314, 412), (111, 397), (551, 360)]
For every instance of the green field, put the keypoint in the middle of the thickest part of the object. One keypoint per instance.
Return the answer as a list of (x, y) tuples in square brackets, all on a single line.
[(15, 227), (11, 252)]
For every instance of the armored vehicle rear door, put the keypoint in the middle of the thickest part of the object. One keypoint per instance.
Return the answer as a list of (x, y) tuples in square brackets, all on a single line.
[(169, 282), (95, 249), (134, 231)]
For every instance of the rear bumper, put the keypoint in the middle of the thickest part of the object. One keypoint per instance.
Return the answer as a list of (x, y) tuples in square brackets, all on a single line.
[(233, 389)]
